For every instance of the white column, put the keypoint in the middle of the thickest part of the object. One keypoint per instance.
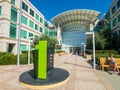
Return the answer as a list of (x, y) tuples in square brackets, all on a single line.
[(19, 37), (94, 49), (28, 51)]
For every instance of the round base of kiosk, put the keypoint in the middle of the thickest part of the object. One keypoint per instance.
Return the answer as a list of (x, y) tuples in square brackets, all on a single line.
[(55, 77)]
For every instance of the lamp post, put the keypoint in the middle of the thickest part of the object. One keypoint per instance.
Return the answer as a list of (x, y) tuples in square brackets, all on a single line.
[(92, 32), (19, 37), (29, 38), (83, 49)]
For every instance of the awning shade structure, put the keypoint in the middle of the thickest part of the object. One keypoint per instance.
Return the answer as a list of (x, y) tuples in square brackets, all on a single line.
[(77, 16), (74, 24)]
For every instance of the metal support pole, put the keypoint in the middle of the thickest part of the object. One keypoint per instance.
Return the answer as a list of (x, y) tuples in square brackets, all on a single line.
[(19, 37), (84, 50), (28, 51), (93, 50)]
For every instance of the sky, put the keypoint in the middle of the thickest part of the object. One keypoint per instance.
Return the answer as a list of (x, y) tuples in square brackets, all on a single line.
[(51, 8)]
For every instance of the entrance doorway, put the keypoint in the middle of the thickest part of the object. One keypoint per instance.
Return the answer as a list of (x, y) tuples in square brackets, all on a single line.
[(10, 47), (74, 50)]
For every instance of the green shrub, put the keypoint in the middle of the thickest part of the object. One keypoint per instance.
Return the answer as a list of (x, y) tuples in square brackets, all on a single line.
[(105, 55), (89, 51), (11, 59), (24, 58), (107, 51), (7, 59)]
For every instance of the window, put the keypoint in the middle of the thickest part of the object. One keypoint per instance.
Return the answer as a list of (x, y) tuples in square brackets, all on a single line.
[(12, 30), (37, 16), (13, 14), (118, 3), (24, 6), (114, 22), (0, 10), (24, 20), (41, 20), (31, 24), (22, 47), (113, 9), (46, 24), (118, 18), (23, 34), (13, 2), (119, 33), (10, 47), (31, 12), (41, 29), (36, 27), (30, 35)]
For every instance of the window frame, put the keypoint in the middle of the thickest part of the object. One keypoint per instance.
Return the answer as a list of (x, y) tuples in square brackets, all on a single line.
[(13, 2), (14, 14), (25, 6), (13, 30), (24, 20), (31, 12)]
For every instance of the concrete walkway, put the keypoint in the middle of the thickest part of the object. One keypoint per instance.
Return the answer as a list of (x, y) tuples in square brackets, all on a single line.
[(82, 75)]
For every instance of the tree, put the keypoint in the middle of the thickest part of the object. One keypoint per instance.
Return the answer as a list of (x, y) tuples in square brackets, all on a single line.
[(51, 42), (116, 41), (100, 41), (108, 36)]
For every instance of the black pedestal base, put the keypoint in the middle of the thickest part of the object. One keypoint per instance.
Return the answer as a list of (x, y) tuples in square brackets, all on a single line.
[(54, 76)]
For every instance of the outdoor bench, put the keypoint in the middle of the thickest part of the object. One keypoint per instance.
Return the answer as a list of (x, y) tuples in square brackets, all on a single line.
[(105, 64)]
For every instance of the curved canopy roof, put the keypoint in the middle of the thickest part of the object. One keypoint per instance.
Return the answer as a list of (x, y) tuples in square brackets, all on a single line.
[(81, 16)]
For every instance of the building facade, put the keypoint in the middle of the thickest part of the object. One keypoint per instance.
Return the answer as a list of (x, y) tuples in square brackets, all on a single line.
[(74, 24), (115, 16), (33, 24)]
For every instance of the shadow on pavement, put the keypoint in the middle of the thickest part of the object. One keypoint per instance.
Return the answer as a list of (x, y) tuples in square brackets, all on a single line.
[(91, 63), (77, 65)]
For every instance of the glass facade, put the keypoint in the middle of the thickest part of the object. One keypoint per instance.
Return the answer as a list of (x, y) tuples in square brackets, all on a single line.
[(12, 30), (72, 36), (13, 14)]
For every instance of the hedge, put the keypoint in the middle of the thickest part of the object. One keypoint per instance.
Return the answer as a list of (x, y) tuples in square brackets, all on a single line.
[(103, 53), (11, 59), (104, 56)]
